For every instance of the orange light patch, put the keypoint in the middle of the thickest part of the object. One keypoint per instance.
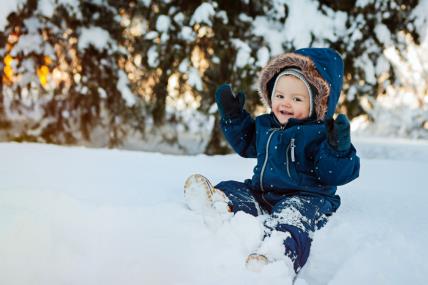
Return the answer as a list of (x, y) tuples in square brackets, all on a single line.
[(43, 73), (8, 70)]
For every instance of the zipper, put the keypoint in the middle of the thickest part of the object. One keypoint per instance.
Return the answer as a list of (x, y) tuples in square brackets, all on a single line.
[(290, 149), (293, 158), (264, 199), (265, 162), (264, 165)]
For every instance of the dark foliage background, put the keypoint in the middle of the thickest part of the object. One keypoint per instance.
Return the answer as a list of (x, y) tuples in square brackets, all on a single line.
[(61, 93)]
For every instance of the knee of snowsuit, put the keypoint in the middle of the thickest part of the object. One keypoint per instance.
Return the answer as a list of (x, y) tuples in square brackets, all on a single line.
[(240, 196), (297, 215)]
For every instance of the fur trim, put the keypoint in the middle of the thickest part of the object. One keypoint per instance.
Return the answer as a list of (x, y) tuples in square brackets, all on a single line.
[(308, 68)]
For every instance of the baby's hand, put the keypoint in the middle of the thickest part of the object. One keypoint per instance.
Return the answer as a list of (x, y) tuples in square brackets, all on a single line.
[(339, 133), (229, 104)]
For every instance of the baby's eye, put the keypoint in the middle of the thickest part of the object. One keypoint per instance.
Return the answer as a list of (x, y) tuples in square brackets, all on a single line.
[(279, 96), (297, 99)]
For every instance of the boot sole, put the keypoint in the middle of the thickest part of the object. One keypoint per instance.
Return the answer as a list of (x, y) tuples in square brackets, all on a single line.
[(198, 193), (256, 262)]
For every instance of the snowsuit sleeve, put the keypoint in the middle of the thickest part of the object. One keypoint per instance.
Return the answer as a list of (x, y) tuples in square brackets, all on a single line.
[(336, 168), (240, 132)]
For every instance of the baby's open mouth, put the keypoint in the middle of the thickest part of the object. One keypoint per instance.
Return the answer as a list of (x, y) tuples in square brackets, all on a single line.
[(285, 113)]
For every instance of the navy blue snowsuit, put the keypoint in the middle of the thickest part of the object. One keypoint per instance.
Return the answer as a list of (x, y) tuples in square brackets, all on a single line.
[(297, 171)]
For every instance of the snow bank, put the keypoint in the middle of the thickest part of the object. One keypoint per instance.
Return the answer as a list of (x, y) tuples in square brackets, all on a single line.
[(83, 216)]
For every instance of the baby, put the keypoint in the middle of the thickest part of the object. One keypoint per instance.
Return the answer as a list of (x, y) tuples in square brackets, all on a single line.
[(302, 153)]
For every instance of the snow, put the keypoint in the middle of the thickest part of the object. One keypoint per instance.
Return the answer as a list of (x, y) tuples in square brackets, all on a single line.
[(163, 23), (187, 34), (243, 56), (95, 36), (179, 18), (402, 110), (153, 56), (363, 3), (145, 2), (47, 7), (194, 79), (382, 65), (383, 34), (223, 16), (33, 41), (184, 65), (8, 7), (27, 44), (262, 56), (102, 92), (122, 87), (151, 35), (203, 14), (421, 19), (328, 26), (96, 216), (367, 64)]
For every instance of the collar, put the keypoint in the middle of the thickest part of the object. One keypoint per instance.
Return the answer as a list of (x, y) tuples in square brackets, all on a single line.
[(291, 122)]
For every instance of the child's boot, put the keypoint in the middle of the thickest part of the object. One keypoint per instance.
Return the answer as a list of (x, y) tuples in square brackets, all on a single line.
[(200, 196), (255, 262), (270, 250)]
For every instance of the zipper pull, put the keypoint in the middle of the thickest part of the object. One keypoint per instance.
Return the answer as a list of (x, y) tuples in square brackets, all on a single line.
[(293, 158)]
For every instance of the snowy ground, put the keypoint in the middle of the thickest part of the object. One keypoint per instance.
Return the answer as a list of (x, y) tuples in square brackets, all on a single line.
[(87, 216)]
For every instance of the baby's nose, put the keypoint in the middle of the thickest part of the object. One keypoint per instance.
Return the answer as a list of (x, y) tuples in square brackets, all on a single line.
[(286, 102)]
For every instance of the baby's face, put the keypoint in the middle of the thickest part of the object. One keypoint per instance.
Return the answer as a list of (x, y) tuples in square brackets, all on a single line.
[(290, 99)]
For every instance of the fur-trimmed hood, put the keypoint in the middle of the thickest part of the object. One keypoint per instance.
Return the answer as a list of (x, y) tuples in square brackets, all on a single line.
[(323, 69)]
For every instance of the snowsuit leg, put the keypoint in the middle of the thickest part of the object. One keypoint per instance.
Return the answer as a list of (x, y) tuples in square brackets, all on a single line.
[(299, 216), (240, 196)]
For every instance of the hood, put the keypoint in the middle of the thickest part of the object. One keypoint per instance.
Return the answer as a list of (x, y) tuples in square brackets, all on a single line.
[(323, 69)]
